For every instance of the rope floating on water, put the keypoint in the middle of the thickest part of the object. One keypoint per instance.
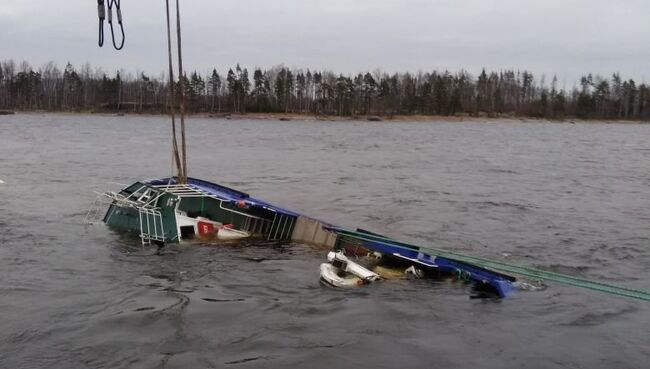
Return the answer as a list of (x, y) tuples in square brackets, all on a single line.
[(504, 267)]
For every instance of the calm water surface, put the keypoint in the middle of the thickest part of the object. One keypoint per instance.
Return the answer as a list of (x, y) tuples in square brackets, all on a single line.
[(569, 198)]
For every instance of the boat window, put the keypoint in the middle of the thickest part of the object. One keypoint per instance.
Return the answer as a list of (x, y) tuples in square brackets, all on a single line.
[(147, 195), (187, 231)]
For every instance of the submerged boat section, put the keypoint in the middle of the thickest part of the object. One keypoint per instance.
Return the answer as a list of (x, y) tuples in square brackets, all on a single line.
[(164, 211), (363, 241)]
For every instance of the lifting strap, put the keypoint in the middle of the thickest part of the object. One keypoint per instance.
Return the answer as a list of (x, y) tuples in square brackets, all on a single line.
[(104, 15)]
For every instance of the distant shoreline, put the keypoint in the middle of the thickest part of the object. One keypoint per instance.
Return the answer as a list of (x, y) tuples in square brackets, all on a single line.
[(408, 118), (336, 118)]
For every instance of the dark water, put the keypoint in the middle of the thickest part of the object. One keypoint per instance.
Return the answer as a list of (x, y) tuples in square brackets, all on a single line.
[(570, 198)]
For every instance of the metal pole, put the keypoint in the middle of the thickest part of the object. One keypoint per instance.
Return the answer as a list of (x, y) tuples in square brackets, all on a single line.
[(181, 77), (172, 98)]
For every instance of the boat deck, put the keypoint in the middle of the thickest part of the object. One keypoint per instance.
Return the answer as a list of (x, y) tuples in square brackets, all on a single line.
[(220, 192)]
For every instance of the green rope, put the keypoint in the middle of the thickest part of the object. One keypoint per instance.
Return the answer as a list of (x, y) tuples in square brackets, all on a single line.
[(504, 267)]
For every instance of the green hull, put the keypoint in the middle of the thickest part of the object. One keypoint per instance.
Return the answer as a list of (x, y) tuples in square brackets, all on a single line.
[(162, 212), (129, 219)]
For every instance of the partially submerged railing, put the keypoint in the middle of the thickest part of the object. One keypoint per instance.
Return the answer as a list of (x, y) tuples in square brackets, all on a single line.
[(143, 200), (281, 227), (151, 226)]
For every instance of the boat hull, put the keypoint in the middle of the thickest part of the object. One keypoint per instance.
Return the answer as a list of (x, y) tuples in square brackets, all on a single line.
[(164, 211)]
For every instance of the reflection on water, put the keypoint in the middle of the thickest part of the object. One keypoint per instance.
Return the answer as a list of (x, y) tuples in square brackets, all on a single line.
[(570, 198)]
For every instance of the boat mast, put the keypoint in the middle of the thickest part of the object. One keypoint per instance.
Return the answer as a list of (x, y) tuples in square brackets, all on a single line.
[(181, 77), (172, 100)]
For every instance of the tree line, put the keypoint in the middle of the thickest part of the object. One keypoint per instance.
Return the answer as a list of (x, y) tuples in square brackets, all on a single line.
[(285, 90)]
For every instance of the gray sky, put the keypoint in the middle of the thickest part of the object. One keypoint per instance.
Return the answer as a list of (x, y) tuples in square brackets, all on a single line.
[(563, 37)]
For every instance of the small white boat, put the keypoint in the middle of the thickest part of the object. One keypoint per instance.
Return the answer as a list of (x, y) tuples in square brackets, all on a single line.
[(330, 275), (229, 234), (342, 273)]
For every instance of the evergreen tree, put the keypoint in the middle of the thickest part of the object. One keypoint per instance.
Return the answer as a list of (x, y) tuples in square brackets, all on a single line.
[(260, 91), (214, 86)]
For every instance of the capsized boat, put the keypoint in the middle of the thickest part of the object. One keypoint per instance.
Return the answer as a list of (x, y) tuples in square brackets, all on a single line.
[(166, 211)]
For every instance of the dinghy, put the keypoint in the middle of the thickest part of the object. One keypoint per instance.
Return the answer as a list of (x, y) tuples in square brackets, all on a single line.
[(229, 234), (341, 272)]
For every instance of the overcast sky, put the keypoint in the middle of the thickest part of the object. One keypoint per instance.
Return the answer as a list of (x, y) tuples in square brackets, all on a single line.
[(563, 37)]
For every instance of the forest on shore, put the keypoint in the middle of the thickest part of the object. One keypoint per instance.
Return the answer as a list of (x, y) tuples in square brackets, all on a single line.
[(504, 93)]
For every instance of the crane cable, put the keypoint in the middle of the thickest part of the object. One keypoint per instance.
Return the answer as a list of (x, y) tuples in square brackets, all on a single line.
[(104, 15)]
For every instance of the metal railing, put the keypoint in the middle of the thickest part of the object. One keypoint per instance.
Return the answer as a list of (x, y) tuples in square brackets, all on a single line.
[(252, 224), (281, 227), (143, 200), (151, 226)]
